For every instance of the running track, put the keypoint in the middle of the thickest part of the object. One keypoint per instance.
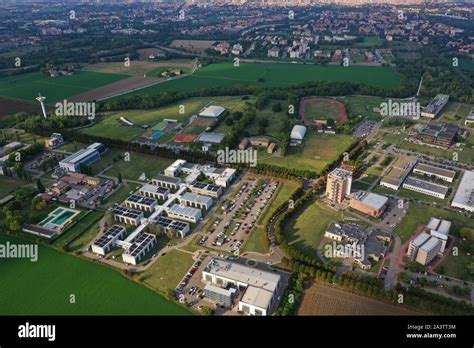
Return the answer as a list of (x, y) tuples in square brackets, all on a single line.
[(342, 109)]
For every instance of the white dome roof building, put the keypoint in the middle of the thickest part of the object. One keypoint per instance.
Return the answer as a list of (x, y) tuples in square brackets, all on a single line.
[(297, 134)]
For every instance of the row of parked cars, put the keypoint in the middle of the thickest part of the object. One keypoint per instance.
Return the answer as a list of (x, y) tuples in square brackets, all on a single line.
[(188, 276)]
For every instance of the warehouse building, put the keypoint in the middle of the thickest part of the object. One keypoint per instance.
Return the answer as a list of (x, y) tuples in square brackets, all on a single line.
[(108, 240), (435, 106), (398, 172), (127, 215), (73, 162), (212, 111), (141, 203), (153, 191), (434, 172), (196, 201), (184, 213), (338, 185), (368, 203), (259, 287), (426, 187), (210, 190), (464, 197), (166, 181), (297, 135), (141, 245)]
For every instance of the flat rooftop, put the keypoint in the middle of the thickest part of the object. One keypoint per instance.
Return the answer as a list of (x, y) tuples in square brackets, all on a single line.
[(399, 170), (244, 274), (435, 170), (465, 192), (369, 199), (257, 297), (426, 185)]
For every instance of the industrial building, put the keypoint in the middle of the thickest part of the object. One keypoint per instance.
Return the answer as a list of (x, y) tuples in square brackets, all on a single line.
[(153, 191), (88, 155), (464, 197), (142, 203), (166, 181), (259, 287), (435, 106), (398, 172), (437, 134), (127, 215), (180, 212), (338, 185), (434, 172), (368, 203), (107, 240), (428, 188), (212, 111), (297, 135), (197, 201), (141, 245)]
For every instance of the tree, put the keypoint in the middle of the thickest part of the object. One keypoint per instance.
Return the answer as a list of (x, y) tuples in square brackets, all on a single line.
[(119, 177), (276, 107), (229, 121), (40, 186)]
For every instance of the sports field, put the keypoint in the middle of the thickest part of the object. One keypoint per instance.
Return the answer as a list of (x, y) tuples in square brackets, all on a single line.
[(44, 288), (316, 151), (275, 75), (28, 86), (322, 109)]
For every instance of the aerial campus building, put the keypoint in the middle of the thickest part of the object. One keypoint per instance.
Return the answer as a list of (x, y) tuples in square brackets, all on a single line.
[(437, 135), (428, 188), (435, 106), (212, 111), (258, 287), (107, 240), (88, 155), (368, 203), (338, 185), (142, 203), (153, 191), (434, 172), (194, 200), (127, 215), (464, 197), (185, 213), (398, 172)]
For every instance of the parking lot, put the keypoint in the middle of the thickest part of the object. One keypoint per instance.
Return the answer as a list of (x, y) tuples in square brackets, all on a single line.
[(239, 215)]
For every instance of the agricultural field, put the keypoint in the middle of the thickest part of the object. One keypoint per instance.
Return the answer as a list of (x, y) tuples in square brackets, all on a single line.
[(317, 151), (420, 214), (98, 290), (11, 106), (137, 67), (9, 185), (28, 86), (274, 75), (322, 299), (193, 46)]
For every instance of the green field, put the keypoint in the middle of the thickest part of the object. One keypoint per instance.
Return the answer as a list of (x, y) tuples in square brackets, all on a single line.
[(420, 214), (318, 150), (166, 273), (275, 75), (28, 86), (44, 288), (321, 110), (9, 185), (456, 265), (305, 231)]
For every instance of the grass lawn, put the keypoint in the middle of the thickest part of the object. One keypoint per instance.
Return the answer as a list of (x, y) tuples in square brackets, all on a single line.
[(317, 151), (139, 163), (321, 110), (370, 41), (360, 185), (455, 113), (363, 105), (10, 184), (71, 147), (166, 272), (257, 241), (98, 290), (420, 214), (274, 75), (456, 266), (282, 195), (27, 86), (88, 234), (115, 131)]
